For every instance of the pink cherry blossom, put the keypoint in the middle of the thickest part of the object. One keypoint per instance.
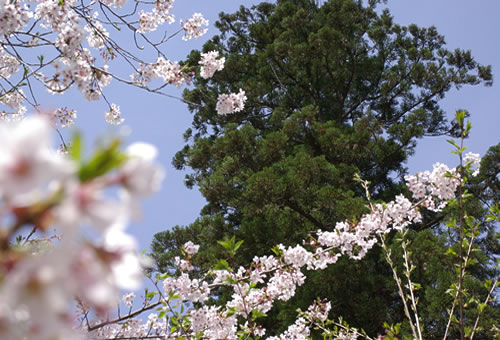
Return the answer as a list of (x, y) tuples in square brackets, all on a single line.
[(230, 103), (193, 27), (210, 64), (113, 116)]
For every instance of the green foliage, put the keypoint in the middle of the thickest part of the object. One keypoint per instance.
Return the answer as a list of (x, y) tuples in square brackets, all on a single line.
[(231, 245), (106, 158), (333, 91)]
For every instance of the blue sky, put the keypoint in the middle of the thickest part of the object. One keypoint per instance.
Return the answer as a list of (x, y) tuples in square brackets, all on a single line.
[(469, 25), (161, 121)]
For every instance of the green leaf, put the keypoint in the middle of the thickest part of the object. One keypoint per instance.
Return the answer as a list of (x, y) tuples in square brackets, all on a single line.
[(238, 245), (276, 250), (230, 281), (231, 311), (103, 161), (452, 142), (468, 331), (76, 149), (151, 295), (468, 127), (231, 245), (161, 277), (226, 244), (450, 251), (222, 265), (257, 314), (460, 115), (397, 327)]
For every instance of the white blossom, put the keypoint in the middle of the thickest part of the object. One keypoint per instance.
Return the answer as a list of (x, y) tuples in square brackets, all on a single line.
[(210, 64), (473, 161), (190, 248), (14, 16), (113, 116), (140, 175), (27, 163), (193, 27), (230, 103), (65, 117), (128, 299)]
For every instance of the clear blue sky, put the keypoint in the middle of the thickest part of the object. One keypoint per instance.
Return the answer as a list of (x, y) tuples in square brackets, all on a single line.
[(159, 120)]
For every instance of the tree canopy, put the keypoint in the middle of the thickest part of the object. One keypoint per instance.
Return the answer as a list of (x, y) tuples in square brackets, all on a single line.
[(334, 90)]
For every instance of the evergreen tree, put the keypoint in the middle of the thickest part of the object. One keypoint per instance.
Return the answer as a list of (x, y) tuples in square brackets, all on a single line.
[(333, 90)]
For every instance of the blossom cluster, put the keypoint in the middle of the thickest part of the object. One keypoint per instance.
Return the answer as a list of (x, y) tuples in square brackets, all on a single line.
[(170, 71), (9, 64), (472, 161), (210, 64), (76, 30), (273, 278), (64, 116), (435, 187), (14, 16), (76, 40), (149, 21), (194, 27), (42, 190), (230, 103), (113, 116)]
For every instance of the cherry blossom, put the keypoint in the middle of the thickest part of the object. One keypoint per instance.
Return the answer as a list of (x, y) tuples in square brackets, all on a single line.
[(65, 116), (193, 27), (113, 116), (140, 175), (97, 34), (210, 64), (13, 16), (74, 41), (14, 100), (9, 64), (26, 162), (298, 331), (128, 299), (190, 248), (149, 21), (42, 189), (473, 161), (85, 203), (230, 103)]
